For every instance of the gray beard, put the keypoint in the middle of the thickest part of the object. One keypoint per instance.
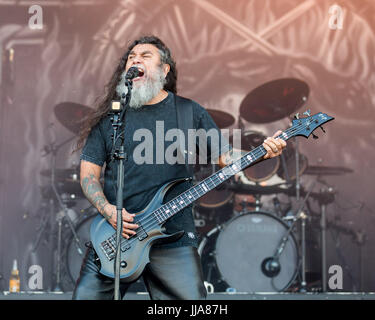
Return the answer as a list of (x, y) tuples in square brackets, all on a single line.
[(145, 92)]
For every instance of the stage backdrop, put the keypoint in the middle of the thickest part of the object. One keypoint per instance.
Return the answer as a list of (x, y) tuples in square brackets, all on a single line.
[(224, 49)]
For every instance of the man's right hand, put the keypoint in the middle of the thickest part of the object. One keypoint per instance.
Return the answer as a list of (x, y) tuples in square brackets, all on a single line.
[(127, 227)]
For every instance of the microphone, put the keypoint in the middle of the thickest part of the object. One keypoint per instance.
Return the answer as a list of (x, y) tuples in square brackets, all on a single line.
[(271, 267), (132, 73)]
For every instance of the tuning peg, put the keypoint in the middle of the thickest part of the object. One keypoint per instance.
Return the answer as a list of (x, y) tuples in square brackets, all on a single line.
[(296, 116), (321, 127), (307, 113), (315, 136)]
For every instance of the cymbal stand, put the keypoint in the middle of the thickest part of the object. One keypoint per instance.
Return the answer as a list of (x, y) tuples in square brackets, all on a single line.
[(303, 217), (303, 252), (258, 204), (271, 266), (60, 215), (327, 196)]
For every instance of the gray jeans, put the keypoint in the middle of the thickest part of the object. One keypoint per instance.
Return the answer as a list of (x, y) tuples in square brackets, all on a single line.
[(172, 274)]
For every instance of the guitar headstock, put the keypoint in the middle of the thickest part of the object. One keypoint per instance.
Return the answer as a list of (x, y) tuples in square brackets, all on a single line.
[(306, 126)]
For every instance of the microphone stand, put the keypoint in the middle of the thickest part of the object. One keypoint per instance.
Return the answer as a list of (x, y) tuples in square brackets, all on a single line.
[(120, 156)]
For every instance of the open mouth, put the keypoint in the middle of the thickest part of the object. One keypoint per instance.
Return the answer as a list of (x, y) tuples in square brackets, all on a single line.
[(141, 73)]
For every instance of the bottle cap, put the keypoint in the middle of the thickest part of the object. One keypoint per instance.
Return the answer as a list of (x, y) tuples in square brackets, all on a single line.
[(15, 265)]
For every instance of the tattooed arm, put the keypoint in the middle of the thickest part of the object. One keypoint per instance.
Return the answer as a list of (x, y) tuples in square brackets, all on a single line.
[(91, 187)]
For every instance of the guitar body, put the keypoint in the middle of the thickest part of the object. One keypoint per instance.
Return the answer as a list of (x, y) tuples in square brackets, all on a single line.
[(135, 258)]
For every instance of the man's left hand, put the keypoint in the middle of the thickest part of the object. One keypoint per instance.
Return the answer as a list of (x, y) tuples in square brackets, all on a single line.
[(273, 146)]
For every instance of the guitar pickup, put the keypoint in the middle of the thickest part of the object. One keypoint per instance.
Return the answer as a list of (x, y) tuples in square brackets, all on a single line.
[(125, 246), (142, 234)]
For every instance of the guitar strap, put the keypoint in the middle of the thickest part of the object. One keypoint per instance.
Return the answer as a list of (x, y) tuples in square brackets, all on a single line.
[(184, 110)]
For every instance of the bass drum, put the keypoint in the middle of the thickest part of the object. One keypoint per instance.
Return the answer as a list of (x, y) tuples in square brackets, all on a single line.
[(73, 257), (232, 254)]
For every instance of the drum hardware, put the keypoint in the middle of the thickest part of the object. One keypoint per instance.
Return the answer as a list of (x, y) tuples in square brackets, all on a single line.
[(258, 204), (358, 237), (73, 258), (211, 263), (243, 203), (200, 223), (61, 201), (277, 206), (326, 197), (271, 266)]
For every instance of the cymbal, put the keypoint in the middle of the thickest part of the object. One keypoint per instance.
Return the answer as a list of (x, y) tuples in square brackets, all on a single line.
[(274, 100), (326, 170), (70, 114), (221, 118)]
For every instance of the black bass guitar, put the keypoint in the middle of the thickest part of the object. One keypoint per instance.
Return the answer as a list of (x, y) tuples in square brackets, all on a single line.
[(135, 250)]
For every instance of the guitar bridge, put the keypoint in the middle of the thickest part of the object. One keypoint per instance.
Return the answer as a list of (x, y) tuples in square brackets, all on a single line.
[(109, 248)]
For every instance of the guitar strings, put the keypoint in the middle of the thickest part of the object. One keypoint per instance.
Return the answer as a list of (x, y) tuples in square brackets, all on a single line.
[(149, 221)]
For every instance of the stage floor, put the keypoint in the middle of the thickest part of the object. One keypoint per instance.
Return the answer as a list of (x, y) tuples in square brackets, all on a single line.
[(212, 296)]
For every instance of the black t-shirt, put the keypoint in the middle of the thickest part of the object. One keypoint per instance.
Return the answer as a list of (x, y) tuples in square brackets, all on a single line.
[(146, 130)]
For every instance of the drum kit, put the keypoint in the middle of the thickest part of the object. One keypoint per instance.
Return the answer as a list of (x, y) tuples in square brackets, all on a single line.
[(243, 247)]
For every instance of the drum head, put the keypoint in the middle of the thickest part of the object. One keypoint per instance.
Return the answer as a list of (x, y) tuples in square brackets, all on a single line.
[(73, 258), (263, 170), (216, 197), (242, 246)]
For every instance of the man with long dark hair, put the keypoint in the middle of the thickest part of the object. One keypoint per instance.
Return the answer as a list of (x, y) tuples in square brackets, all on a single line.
[(174, 271)]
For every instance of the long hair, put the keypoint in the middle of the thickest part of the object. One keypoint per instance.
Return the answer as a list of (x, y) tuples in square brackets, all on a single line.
[(104, 102)]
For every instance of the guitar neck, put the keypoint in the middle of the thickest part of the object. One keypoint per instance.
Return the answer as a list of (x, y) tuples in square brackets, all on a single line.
[(186, 198)]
